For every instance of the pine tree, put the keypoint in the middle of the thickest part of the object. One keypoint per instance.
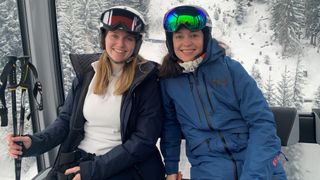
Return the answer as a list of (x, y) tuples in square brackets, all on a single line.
[(81, 38), (10, 38), (65, 26), (298, 85), (284, 88), (261, 1), (312, 14), (269, 91), (95, 9), (266, 59), (286, 23), (299, 16), (317, 99), (216, 14), (255, 73), (241, 11)]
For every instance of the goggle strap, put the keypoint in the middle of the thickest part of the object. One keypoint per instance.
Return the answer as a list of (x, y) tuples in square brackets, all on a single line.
[(130, 23), (107, 17), (134, 23)]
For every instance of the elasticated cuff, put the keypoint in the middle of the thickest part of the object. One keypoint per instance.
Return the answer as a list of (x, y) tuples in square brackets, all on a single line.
[(171, 167), (86, 170)]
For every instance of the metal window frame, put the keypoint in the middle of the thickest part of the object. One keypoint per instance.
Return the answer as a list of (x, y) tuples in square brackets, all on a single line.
[(39, 36)]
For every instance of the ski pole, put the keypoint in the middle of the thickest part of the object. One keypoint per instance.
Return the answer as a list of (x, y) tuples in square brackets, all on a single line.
[(24, 87), (13, 87)]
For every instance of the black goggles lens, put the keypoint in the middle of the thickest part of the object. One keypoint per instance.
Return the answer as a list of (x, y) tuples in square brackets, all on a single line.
[(121, 19), (191, 17)]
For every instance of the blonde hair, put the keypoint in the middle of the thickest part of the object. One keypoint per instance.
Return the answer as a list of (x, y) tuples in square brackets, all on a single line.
[(104, 73)]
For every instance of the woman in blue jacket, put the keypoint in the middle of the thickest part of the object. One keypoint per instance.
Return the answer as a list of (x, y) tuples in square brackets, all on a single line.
[(109, 125), (213, 102)]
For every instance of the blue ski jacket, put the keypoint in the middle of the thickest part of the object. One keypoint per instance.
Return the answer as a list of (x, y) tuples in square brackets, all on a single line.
[(141, 122), (229, 129)]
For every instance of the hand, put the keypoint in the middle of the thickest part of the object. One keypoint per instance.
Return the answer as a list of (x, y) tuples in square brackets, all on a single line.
[(15, 150), (175, 176), (75, 170)]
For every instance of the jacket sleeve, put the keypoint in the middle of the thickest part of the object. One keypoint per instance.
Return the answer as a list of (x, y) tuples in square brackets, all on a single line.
[(171, 134), (263, 144), (141, 143), (56, 132)]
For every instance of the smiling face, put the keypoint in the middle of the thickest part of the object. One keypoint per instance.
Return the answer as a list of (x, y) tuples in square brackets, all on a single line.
[(187, 44), (119, 45)]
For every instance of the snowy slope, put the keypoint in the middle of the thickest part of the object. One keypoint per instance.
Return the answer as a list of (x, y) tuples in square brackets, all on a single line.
[(250, 43)]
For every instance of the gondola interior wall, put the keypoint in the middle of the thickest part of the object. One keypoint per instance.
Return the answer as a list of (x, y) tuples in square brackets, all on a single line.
[(282, 55)]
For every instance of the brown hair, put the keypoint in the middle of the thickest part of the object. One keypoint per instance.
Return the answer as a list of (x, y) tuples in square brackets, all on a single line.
[(104, 72), (169, 67)]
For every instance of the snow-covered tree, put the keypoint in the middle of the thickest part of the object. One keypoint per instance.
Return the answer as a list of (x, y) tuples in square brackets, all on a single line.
[(10, 38), (260, 1), (312, 23), (266, 59), (65, 33), (298, 82), (287, 18), (284, 88), (241, 11), (317, 98), (81, 41), (269, 91), (255, 73), (216, 14), (299, 16), (95, 8)]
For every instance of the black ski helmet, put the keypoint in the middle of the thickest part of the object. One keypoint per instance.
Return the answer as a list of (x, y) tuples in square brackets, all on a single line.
[(204, 24), (124, 18)]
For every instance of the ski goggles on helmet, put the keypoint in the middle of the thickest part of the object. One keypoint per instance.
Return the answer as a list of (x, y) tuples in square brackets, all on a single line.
[(191, 17), (122, 18)]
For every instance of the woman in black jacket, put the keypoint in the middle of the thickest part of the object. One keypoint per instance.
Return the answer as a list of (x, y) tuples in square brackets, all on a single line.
[(112, 118)]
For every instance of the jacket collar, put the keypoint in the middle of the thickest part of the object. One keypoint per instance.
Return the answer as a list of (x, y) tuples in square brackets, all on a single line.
[(82, 64), (142, 72)]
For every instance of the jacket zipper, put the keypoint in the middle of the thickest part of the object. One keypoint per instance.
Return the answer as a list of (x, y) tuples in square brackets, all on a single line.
[(208, 144), (202, 103), (235, 170), (194, 98), (207, 92)]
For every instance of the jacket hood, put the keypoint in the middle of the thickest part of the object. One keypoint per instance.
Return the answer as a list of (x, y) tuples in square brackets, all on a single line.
[(214, 51)]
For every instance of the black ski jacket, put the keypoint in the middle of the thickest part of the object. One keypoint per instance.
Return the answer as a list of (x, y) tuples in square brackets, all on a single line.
[(141, 124)]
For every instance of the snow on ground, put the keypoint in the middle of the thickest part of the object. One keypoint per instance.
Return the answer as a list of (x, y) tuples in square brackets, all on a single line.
[(310, 161)]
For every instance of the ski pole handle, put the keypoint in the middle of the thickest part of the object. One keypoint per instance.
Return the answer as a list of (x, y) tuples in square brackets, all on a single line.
[(12, 86)]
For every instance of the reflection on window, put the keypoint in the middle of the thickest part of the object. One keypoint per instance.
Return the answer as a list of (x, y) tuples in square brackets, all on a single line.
[(10, 43)]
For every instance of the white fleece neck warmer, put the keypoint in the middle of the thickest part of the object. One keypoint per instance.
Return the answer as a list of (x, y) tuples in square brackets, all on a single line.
[(191, 66)]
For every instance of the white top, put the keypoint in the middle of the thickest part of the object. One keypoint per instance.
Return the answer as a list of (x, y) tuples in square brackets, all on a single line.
[(102, 112)]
